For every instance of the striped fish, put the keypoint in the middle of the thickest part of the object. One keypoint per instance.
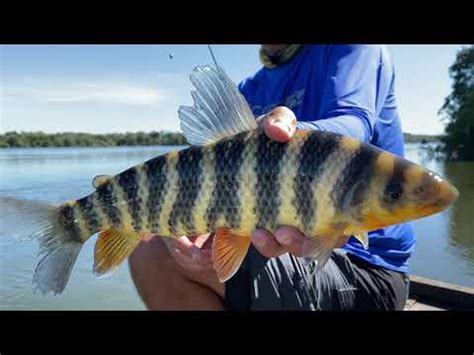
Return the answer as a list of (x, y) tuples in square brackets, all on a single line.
[(232, 180)]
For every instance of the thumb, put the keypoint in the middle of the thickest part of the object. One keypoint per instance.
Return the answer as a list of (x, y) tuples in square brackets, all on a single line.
[(280, 124)]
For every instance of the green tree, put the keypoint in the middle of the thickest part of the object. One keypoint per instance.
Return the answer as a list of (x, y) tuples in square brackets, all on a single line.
[(458, 108), (70, 139)]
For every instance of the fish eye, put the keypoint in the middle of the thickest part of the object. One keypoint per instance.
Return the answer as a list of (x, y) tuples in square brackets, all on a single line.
[(393, 192)]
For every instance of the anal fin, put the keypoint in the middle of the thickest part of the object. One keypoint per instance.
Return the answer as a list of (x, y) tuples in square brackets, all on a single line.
[(113, 246), (228, 252)]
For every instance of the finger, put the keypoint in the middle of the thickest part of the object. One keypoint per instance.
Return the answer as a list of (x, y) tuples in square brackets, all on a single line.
[(291, 239), (201, 250), (208, 243), (201, 241), (279, 124), (189, 263), (186, 246), (203, 257), (187, 252), (266, 243)]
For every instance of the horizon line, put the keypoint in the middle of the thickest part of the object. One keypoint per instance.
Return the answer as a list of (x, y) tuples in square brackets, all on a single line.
[(157, 131)]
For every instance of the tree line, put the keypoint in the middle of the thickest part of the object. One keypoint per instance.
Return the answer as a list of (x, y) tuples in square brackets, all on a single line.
[(458, 109), (456, 144), (71, 139)]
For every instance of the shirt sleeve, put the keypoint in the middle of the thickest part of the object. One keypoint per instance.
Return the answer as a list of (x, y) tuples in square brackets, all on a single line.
[(349, 98)]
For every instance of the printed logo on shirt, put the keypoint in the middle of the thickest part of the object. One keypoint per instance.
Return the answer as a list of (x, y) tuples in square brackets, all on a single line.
[(291, 102)]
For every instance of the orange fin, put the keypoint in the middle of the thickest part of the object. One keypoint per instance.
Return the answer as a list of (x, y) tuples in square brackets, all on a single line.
[(228, 252), (112, 248)]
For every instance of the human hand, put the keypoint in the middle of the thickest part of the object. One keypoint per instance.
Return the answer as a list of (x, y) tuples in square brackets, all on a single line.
[(191, 253), (286, 239)]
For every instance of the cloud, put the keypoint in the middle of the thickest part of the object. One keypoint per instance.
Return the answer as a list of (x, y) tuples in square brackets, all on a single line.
[(102, 92)]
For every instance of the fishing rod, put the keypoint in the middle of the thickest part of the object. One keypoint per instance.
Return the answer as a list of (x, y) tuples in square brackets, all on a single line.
[(213, 57), (171, 56)]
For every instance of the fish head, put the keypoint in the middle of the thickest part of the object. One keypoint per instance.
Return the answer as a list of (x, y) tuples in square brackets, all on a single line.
[(402, 191)]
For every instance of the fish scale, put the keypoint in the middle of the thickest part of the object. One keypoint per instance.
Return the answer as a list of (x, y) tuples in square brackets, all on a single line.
[(156, 171), (226, 207)]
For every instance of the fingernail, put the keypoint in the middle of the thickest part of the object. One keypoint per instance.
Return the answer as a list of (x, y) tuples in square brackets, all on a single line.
[(282, 124)]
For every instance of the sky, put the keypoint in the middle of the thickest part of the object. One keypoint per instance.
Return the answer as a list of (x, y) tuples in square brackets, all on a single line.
[(120, 88)]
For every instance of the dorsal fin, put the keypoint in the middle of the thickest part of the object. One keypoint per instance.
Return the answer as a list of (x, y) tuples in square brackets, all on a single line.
[(99, 180), (219, 110)]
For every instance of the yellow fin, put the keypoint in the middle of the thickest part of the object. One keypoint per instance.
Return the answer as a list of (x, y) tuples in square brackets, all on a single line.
[(228, 252), (363, 238), (112, 248), (100, 180)]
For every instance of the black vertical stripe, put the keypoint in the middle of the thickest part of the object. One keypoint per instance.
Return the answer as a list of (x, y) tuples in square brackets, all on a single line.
[(86, 205), (399, 168), (225, 198), (314, 152), (269, 155), (128, 181), (67, 221), (358, 172), (108, 202), (397, 179), (189, 172), (157, 177)]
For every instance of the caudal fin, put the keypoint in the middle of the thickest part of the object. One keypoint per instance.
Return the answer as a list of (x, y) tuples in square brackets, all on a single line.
[(58, 248)]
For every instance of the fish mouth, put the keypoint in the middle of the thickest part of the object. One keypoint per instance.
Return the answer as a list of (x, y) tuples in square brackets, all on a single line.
[(446, 195)]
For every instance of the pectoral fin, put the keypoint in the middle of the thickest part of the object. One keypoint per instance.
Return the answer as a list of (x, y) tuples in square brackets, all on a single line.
[(112, 248), (363, 238), (228, 252), (319, 248)]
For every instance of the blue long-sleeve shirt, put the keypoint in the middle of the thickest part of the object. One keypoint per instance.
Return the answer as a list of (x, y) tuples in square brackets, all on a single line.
[(346, 89)]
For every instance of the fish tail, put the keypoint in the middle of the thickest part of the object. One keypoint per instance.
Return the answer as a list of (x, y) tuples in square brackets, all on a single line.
[(60, 243)]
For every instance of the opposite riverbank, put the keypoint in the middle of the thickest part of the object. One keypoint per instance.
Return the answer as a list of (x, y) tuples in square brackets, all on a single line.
[(72, 139)]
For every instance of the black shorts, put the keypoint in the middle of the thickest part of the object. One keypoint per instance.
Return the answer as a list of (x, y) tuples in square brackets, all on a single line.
[(290, 283)]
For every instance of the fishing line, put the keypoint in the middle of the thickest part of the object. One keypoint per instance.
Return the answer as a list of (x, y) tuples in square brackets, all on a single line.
[(213, 57)]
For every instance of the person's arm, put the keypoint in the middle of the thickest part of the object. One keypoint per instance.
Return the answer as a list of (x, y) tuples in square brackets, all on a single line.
[(348, 105)]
